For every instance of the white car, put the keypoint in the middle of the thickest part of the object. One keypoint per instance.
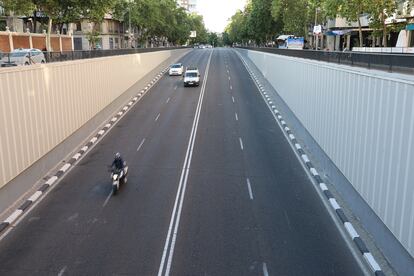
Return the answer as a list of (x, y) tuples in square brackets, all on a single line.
[(176, 69), (23, 57), (191, 77)]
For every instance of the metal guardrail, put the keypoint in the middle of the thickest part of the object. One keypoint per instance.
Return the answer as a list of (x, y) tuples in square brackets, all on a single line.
[(7, 60), (74, 55), (399, 63)]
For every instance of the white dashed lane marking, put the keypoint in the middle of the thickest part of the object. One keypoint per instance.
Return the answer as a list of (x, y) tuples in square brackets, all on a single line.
[(249, 188), (241, 143), (265, 272), (141, 144)]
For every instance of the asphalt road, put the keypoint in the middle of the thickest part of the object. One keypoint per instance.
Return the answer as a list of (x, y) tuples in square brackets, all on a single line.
[(214, 189)]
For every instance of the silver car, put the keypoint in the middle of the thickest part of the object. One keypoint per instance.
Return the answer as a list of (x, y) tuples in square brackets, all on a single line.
[(23, 57)]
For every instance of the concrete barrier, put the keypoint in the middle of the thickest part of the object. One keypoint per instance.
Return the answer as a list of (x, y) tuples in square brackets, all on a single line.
[(41, 106), (364, 121)]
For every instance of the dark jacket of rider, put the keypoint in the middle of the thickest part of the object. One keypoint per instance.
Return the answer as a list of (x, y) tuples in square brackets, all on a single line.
[(118, 163)]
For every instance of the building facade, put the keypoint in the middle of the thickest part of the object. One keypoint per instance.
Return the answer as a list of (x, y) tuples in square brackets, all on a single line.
[(189, 5)]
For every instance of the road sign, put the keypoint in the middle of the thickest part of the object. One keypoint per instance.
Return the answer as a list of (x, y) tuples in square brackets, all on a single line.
[(193, 34)]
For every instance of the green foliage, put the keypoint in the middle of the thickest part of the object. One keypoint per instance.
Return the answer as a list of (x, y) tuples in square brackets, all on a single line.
[(149, 18), (260, 22), (22, 7), (213, 39)]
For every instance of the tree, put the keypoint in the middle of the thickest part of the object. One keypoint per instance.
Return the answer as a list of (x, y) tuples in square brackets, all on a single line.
[(292, 14), (351, 10), (213, 39), (260, 21), (196, 23), (379, 10)]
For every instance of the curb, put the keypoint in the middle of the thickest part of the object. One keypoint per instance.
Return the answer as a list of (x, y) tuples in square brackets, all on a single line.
[(353, 234), (71, 162)]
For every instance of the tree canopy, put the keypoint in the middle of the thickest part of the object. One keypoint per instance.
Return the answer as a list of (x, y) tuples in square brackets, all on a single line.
[(262, 20), (150, 19)]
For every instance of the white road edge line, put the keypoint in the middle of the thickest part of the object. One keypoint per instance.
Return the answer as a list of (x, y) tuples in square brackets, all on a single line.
[(323, 187), (176, 214)]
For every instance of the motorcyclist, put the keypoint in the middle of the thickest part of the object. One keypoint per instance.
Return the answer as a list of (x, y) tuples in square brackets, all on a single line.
[(118, 163)]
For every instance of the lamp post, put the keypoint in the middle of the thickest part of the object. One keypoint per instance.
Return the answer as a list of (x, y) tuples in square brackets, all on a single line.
[(129, 24), (316, 36)]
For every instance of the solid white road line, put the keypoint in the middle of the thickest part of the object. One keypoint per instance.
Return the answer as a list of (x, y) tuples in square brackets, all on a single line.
[(176, 213), (241, 143), (265, 272), (140, 145), (249, 187), (158, 116), (237, 117)]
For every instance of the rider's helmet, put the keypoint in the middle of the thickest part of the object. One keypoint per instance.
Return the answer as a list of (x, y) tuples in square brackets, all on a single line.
[(117, 155)]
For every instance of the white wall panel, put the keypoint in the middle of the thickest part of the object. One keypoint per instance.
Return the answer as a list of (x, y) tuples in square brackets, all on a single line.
[(364, 121), (41, 105)]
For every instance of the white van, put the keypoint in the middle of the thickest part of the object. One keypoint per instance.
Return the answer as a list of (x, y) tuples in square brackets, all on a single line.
[(191, 77)]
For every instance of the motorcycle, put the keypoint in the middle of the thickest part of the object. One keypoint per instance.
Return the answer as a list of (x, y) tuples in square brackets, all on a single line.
[(119, 177)]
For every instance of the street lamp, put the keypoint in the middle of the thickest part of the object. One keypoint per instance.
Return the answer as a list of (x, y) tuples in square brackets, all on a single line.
[(129, 23), (316, 36)]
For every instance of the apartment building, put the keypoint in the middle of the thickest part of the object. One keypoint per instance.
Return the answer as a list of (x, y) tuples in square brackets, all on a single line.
[(189, 5)]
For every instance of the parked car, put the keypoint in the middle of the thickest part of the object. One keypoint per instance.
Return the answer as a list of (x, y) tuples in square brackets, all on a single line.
[(192, 77), (23, 57), (176, 69)]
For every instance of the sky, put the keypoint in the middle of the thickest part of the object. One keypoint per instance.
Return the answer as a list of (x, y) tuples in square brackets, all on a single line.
[(217, 12)]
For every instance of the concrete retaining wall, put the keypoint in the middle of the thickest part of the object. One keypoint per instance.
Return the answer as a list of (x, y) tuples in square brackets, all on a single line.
[(364, 121), (42, 105)]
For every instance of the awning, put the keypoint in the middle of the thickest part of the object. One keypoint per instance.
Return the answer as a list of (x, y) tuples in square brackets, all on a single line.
[(338, 32), (284, 37)]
